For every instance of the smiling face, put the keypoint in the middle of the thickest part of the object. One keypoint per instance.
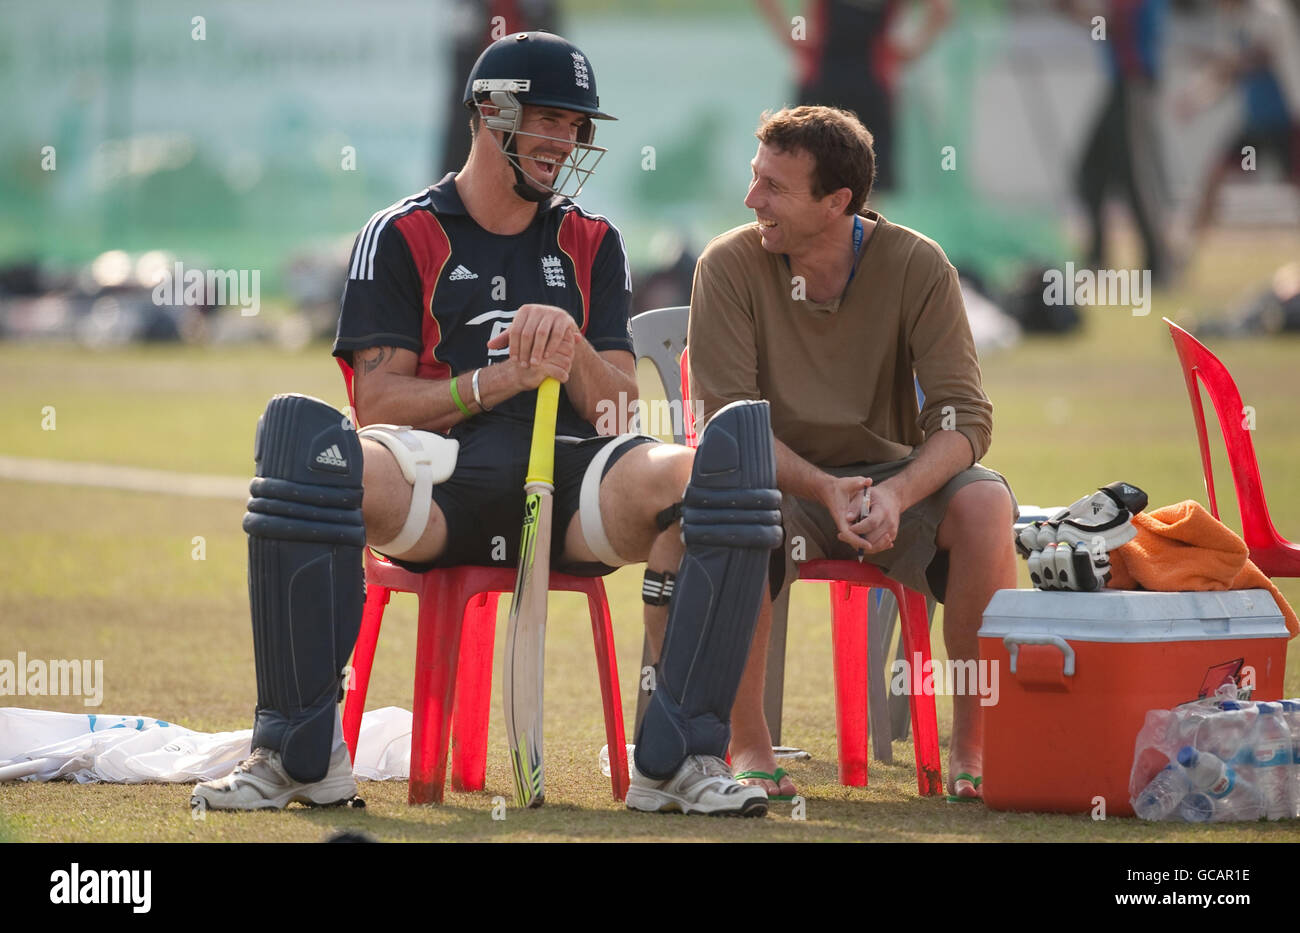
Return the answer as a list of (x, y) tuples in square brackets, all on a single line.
[(790, 217), (545, 140)]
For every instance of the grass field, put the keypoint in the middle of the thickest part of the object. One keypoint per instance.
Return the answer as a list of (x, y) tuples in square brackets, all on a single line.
[(109, 574)]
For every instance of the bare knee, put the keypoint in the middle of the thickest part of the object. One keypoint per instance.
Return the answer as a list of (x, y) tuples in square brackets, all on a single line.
[(673, 473), (640, 486), (977, 513)]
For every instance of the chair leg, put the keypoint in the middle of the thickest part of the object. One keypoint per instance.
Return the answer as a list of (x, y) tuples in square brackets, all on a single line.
[(774, 677), (469, 727), (925, 724), (849, 643), (882, 609), (602, 630), (437, 655), (363, 659)]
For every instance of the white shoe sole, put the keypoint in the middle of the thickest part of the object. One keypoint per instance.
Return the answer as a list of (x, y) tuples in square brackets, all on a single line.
[(334, 788), (326, 793), (657, 801)]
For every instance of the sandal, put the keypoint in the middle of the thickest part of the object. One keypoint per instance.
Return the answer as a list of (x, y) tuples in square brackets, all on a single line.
[(775, 778), (974, 782)]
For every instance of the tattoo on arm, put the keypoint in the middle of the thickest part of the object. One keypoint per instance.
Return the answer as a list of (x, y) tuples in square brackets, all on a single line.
[(370, 360)]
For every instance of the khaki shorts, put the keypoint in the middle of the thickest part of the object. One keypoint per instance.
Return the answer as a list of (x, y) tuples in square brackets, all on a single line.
[(914, 560)]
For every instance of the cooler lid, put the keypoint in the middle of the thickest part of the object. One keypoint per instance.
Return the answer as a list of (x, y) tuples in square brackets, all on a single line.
[(1134, 615)]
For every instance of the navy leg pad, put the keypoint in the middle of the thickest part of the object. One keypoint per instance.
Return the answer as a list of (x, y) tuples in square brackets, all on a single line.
[(731, 519), (306, 540)]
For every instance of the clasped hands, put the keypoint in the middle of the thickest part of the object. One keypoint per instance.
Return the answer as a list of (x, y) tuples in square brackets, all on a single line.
[(543, 341), (844, 497)]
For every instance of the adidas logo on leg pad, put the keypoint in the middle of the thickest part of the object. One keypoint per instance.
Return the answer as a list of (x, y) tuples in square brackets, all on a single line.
[(332, 456)]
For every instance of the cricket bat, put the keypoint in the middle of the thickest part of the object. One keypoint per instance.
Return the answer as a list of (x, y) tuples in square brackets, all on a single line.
[(526, 635)]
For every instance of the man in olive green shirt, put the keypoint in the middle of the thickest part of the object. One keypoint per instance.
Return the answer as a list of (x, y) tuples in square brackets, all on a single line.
[(828, 311)]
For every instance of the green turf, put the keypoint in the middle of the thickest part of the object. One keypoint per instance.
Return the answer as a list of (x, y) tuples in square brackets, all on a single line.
[(109, 574)]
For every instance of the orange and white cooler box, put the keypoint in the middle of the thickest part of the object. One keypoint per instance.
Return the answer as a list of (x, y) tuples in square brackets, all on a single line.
[(1077, 673)]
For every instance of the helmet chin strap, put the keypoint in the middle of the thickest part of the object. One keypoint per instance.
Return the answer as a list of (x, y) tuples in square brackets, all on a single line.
[(522, 187)]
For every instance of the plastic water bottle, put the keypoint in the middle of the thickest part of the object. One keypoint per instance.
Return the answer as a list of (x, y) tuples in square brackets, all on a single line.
[(604, 759), (1224, 735), (1271, 756), (1241, 805), (1207, 772), (1291, 713), (1219, 793), (1165, 792)]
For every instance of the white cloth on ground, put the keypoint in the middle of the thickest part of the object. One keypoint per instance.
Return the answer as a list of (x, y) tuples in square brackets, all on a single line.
[(40, 745)]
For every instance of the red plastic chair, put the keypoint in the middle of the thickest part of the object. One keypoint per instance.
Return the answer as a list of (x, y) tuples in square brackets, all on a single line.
[(1269, 551), (453, 666), (851, 585)]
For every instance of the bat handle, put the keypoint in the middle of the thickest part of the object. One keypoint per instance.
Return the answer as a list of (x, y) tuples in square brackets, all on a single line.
[(541, 458)]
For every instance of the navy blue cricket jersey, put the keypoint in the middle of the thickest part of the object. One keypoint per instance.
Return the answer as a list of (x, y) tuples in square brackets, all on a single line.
[(424, 276)]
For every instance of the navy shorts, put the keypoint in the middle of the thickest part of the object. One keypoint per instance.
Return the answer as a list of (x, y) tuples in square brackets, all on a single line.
[(483, 501)]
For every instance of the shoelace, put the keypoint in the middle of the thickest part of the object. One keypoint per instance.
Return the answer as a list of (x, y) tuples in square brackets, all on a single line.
[(259, 754), (713, 766)]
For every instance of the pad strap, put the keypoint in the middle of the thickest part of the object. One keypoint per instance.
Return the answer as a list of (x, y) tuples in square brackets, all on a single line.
[(593, 526), (657, 588), (669, 515), (425, 459)]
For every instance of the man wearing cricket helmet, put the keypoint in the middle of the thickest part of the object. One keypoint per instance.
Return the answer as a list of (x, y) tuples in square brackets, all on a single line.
[(460, 301), (830, 313)]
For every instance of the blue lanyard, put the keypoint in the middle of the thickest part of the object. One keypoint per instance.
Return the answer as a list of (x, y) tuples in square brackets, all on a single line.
[(857, 244)]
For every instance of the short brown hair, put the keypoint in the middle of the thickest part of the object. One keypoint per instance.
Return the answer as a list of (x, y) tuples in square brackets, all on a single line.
[(841, 148)]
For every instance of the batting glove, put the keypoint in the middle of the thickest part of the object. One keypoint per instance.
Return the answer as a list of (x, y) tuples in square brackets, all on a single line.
[(1071, 550)]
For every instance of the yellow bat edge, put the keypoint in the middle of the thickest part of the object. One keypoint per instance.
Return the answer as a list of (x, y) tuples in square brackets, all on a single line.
[(541, 458)]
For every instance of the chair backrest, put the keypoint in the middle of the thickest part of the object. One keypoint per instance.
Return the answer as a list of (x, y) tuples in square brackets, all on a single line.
[(1197, 361), (688, 410), (347, 381), (659, 335)]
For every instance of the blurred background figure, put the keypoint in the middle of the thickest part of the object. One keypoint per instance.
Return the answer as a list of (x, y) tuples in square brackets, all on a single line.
[(848, 54), (1273, 309), (982, 112), (1124, 149), (1259, 56), (476, 24)]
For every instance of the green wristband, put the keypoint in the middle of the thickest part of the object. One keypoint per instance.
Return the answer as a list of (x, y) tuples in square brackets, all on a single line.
[(455, 397)]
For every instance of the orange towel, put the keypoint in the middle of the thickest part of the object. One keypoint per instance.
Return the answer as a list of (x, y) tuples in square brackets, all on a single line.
[(1184, 547)]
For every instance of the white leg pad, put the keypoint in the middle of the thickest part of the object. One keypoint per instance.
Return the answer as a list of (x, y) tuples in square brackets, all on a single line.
[(425, 459), (593, 526)]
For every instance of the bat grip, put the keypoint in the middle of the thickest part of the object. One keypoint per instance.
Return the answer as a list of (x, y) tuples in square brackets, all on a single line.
[(541, 458)]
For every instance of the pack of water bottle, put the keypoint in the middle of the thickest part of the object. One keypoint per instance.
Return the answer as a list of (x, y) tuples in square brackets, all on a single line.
[(1219, 759)]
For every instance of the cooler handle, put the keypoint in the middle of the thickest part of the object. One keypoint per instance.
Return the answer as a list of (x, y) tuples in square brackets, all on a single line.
[(1013, 643)]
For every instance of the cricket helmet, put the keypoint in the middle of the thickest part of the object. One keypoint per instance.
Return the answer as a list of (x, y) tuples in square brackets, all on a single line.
[(541, 70)]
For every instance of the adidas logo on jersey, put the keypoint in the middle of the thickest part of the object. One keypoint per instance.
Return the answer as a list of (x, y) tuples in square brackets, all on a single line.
[(332, 456), (460, 273)]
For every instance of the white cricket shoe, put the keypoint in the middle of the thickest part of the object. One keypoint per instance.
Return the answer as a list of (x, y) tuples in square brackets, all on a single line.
[(703, 784), (259, 782)]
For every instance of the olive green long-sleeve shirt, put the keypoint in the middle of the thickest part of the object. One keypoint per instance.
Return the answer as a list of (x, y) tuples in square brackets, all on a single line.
[(838, 374)]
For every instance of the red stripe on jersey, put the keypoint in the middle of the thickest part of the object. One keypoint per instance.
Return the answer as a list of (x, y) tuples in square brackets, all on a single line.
[(579, 237), (430, 248)]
